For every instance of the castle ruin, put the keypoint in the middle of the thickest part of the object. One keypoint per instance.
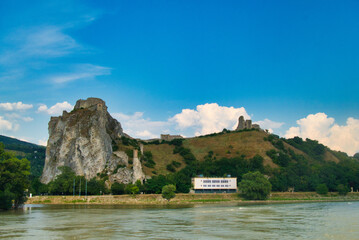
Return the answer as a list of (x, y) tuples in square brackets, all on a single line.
[(246, 124), (168, 137)]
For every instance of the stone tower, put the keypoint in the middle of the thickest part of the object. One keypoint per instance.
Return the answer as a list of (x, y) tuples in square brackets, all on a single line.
[(244, 124), (241, 123), (248, 124)]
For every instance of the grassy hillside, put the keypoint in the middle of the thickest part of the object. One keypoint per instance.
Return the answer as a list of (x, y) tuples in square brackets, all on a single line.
[(21, 149), (162, 155), (237, 144), (231, 144)]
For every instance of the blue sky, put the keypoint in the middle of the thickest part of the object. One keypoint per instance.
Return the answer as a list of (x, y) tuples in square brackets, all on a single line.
[(179, 66)]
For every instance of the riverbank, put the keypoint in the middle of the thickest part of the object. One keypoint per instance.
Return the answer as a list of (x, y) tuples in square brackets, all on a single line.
[(156, 199)]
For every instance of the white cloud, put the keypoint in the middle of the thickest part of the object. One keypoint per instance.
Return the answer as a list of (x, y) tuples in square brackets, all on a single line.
[(136, 126), (38, 42), (56, 109), (209, 118), (205, 119), (18, 116), (81, 72), (5, 124), (27, 119), (269, 124), (15, 106), (42, 142), (145, 134), (322, 128)]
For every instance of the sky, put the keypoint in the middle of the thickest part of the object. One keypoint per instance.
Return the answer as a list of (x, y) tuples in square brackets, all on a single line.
[(184, 67)]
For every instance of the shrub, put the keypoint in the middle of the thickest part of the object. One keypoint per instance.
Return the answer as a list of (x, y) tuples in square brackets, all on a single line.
[(176, 142), (148, 159), (168, 191), (118, 188), (118, 167), (254, 186), (170, 168), (322, 189), (114, 148), (176, 164), (132, 189), (6, 198), (129, 153), (342, 190)]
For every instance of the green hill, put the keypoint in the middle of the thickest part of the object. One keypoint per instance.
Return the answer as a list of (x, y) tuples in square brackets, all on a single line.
[(34, 153), (237, 144), (288, 163)]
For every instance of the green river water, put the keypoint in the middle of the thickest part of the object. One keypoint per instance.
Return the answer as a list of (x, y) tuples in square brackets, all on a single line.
[(325, 220)]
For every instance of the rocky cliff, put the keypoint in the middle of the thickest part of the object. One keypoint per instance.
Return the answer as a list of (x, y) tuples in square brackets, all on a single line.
[(83, 140)]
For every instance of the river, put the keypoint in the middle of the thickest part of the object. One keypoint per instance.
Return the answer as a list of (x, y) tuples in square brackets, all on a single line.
[(324, 220)]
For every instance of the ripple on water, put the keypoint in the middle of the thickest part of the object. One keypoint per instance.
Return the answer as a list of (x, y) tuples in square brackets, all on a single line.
[(276, 221)]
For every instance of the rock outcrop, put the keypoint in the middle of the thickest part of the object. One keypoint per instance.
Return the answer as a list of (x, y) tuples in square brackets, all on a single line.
[(83, 140)]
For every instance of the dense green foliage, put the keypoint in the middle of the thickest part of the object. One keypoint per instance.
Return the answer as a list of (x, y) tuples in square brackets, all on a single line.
[(132, 189), (68, 184), (32, 152), (342, 190), (168, 191), (14, 179), (310, 147), (305, 173), (322, 189), (254, 186), (6, 198), (118, 188)]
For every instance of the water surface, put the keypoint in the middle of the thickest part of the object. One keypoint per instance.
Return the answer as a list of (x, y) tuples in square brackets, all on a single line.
[(335, 220)]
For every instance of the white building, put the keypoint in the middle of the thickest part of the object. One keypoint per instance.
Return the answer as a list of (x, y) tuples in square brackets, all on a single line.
[(214, 184)]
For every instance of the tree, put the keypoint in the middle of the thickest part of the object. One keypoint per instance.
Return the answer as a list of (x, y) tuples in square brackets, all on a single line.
[(37, 187), (168, 191), (63, 184), (254, 186), (342, 190), (132, 189), (6, 198), (118, 188), (155, 184), (95, 187), (322, 189), (14, 179)]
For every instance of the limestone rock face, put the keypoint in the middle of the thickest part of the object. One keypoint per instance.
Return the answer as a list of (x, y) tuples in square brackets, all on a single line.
[(82, 140), (137, 168)]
